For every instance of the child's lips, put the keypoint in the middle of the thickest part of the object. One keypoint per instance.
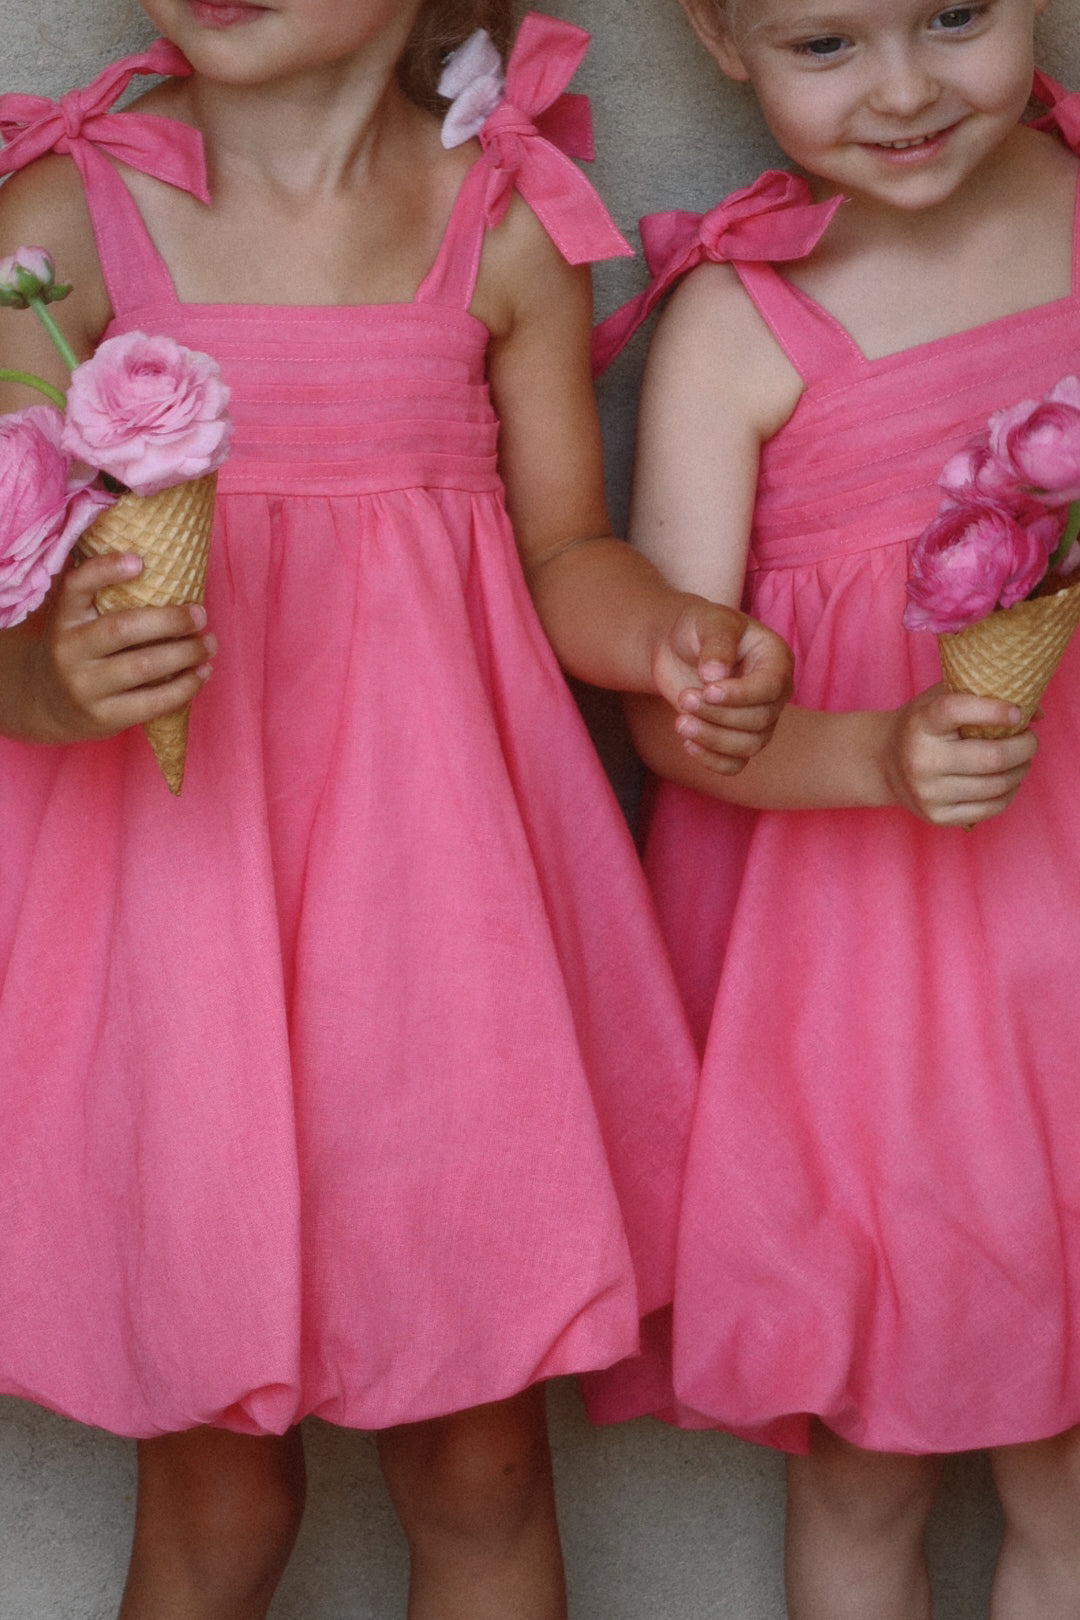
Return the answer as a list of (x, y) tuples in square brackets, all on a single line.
[(215, 14), (911, 149)]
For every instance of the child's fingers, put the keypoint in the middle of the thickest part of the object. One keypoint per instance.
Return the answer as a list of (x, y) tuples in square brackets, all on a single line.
[(763, 675), (705, 636), (975, 779), (948, 711), (104, 696), (994, 756), (718, 641), (153, 665), (722, 748), (720, 762), (765, 655), (103, 673), (75, 599), (143, 627), (752, 718), (129, 650), (984, 787), (127, 627), (134, 708), (764, 688), (977, 801)]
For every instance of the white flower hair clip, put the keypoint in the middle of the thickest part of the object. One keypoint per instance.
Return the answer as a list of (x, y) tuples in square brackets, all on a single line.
[(474, 83)]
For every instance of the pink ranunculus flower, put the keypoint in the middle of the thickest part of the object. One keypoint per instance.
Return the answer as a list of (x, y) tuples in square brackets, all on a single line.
[(148, 412), (45, 506), (27, 273), (1038, 441), (973, 558), (976, 474)]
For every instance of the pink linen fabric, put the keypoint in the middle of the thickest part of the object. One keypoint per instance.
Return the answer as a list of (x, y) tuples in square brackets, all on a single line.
[(880, 1220), (354, 1082)]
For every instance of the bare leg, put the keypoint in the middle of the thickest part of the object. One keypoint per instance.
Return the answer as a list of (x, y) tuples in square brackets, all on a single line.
[(215, 1522), (1038, 1571), (475, 1498), (856, 1523)]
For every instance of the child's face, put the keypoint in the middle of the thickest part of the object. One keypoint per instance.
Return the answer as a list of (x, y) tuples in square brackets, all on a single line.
[(254, 41), (895, 100)]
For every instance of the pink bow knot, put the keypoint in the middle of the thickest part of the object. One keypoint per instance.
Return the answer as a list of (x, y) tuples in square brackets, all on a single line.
[(505, 137), (529, 139), (1063, 113), (774, 220), (83, 125), (73, 113)]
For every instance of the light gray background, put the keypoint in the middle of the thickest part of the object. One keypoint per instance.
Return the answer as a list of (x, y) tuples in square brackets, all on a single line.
[(657, 1525)]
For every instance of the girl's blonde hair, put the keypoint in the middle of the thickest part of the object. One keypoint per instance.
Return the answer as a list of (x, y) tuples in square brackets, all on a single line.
[(440, 28)]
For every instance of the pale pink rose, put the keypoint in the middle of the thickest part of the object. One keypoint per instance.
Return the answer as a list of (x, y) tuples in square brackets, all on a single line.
[(1039, 442), (148, 412), (45, 506), (971, 559)]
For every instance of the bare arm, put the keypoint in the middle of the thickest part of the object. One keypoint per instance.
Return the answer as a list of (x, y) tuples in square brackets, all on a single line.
[(610, 615), (68, 674), (716, 387)]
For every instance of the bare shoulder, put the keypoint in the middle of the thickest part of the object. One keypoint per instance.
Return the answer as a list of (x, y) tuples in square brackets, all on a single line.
[(524, 276), (712, 332), (45, 203), (45, 206)]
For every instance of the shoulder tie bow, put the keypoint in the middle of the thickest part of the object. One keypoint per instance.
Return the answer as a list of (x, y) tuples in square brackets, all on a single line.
[(772, 220), (82, 125), (532, 133), (1063, 115)]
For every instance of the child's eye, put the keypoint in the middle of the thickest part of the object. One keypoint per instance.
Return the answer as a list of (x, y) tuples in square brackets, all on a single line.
[(822, 49), (958, 17)]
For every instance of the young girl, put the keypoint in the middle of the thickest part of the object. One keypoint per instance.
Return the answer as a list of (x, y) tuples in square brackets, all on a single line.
[(322, 1084), (879, 1254)]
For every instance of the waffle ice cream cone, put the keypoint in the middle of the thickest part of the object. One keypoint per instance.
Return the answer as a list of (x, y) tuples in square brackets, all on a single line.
[(171, 532), (1011, 654)]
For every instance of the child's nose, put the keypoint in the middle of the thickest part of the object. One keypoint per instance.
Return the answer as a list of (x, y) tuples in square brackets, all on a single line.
[(902, 85)]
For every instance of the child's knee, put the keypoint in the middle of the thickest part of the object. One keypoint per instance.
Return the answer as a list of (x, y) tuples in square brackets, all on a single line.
[(479, 1474), (227, 1499), (871, 1493), (1039, 1486)]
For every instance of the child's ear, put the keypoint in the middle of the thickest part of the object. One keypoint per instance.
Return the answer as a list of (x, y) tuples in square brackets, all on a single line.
[(707, 20)]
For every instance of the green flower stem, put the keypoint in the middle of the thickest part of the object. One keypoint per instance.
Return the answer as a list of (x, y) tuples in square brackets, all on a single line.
[(60, 342), (1072, 530), (34, 382)]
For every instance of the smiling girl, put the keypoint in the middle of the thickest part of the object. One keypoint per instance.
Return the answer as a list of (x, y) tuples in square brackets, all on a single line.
[(880, 1231)]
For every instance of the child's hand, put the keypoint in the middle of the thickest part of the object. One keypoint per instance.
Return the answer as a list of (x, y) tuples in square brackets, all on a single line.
[(947, 779), (92, 675), (729, 677)]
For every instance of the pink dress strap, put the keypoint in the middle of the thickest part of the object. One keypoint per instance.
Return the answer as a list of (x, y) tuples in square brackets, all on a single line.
[(83, 126), (774, 219), (813, 340), (527, 144)]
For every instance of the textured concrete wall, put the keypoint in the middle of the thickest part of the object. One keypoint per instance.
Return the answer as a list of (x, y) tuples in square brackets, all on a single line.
[(657, 1524)]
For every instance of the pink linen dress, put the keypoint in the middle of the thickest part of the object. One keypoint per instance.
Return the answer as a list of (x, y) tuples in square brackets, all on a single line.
[(348, 1083), (880, 1220)]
